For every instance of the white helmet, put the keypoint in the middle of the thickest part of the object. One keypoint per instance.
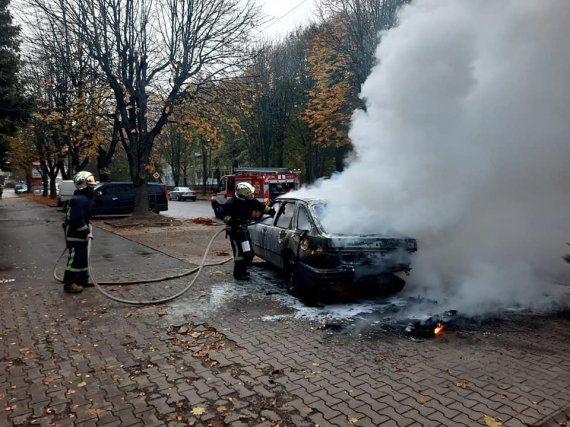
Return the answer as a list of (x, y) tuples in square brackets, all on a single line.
[(245, 191), (83, 179)]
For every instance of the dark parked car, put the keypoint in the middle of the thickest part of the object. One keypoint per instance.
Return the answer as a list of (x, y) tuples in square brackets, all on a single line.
[(118, 198), (182, 193), (318, 262), (20, 188)]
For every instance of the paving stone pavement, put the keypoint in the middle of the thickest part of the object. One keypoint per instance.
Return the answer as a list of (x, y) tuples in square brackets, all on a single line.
[(85, 360)]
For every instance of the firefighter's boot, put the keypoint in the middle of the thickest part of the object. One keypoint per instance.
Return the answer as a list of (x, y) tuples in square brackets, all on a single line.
[(240, 270), (73, 288)]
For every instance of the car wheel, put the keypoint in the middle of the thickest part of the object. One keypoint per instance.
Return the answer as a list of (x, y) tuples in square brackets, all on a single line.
[(295, 284), (292, 276)]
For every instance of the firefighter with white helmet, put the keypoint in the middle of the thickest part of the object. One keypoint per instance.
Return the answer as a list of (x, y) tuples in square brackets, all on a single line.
[(78, 232), (236, 213)]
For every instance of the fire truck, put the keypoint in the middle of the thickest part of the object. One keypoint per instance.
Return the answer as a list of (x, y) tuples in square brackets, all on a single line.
[(268, 182)]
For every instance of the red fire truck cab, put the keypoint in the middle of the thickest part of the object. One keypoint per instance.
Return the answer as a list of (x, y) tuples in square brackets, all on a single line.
[(268, 182)]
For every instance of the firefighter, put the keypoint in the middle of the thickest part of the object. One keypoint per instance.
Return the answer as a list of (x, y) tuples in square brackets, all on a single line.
[(236, 213), (78, 233)]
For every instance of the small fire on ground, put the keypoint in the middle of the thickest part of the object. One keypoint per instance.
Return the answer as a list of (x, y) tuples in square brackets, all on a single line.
[(432, 326), (438, 330)]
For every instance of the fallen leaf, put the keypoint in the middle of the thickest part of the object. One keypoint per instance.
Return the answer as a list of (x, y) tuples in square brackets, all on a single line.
[(505, 397), (180, 404), (82, 384), (198, 410), (422, 400), (94, 411), (307, 410), (491, 422), (161, 313), (76, 350), (353, 420), (221, 409)]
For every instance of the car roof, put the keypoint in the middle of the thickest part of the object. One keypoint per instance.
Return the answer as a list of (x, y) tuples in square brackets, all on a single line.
[(287, 197)]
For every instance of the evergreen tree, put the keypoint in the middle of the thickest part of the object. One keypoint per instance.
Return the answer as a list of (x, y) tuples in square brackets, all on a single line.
[(13, 105)]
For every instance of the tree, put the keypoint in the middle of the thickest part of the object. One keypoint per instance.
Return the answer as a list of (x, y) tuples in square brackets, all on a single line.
[(205, 122), (13, 105), (170, 48), (341, 58), (329, 107), (176, 150)]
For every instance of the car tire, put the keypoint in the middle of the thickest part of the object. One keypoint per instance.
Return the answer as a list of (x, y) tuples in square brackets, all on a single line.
[(295, 284), (292, 281)]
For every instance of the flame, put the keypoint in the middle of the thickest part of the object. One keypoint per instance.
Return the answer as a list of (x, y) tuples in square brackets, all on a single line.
[(438, 330)]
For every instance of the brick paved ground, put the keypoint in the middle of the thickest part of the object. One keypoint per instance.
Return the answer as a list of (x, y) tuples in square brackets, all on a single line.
[(86, 360)]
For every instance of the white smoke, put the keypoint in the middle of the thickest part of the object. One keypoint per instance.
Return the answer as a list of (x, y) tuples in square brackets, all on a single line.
[(465, 145)]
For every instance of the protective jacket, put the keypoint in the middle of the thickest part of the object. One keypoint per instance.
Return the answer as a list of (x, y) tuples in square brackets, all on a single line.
[(237, 213), (77, 230), (79, 212)]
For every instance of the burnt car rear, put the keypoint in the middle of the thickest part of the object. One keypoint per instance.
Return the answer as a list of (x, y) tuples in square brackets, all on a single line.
[(318, 262)]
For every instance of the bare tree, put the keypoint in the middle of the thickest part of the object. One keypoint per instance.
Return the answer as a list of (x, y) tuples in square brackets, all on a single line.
[(176, 150), (149, 49)]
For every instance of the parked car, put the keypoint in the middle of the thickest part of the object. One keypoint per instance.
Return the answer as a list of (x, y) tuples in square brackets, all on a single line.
[(20, 188), (317, 262), (118, 198), (182, 193)]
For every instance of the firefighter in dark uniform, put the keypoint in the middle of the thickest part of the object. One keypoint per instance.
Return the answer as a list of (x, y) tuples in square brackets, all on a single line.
[(78, 233), (237, 213)]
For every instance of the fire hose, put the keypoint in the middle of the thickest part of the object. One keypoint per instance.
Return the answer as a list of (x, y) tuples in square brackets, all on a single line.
[(196, 270)]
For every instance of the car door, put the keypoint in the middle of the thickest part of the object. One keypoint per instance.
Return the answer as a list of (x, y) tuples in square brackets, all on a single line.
[(277, 236), (105, 200), (126, 199), (258, 234)]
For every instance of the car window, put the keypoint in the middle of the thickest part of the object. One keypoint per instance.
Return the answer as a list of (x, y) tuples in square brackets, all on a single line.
[(303, 221), (285, 215)]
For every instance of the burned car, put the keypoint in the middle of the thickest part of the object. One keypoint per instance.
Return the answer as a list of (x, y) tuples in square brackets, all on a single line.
[(318, 262)]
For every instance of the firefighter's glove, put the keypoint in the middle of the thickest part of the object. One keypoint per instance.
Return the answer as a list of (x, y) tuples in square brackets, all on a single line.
[(271, 212)]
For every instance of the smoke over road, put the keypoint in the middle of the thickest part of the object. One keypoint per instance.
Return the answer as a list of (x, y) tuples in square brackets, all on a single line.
[(465, 145)]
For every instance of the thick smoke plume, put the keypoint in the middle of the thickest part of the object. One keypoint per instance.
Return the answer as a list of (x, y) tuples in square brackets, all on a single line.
[(465, 145)]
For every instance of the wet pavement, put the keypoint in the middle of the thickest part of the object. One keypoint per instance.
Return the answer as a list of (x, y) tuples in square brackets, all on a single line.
[(248, 354)]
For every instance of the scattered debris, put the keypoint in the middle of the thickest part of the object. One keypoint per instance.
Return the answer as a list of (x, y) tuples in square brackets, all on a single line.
[(203, 221)]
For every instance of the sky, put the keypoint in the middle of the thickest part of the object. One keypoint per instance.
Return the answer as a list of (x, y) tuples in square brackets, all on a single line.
[(283, 16)]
